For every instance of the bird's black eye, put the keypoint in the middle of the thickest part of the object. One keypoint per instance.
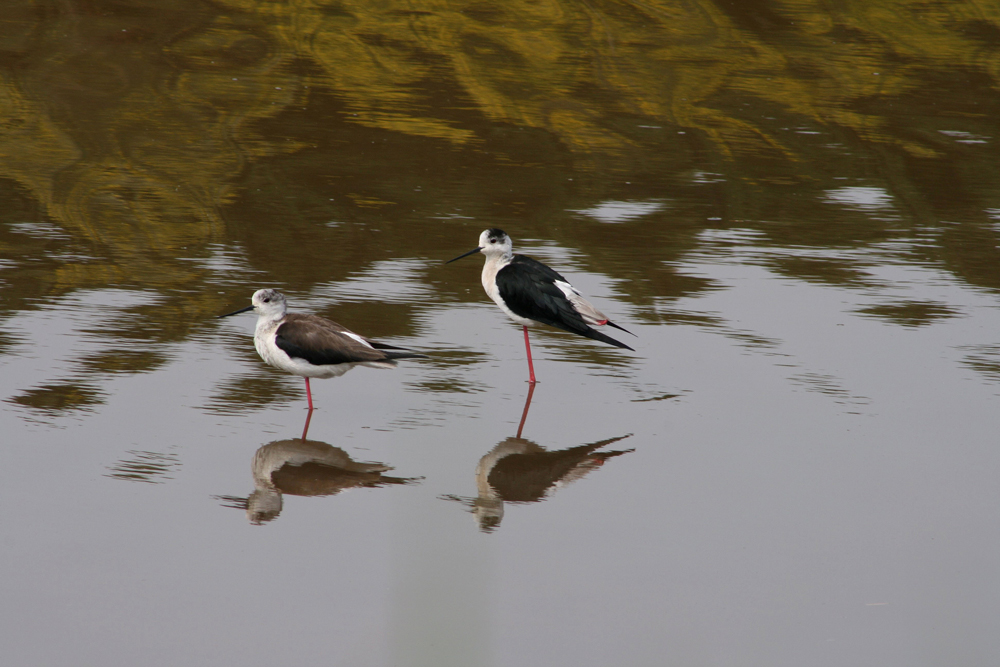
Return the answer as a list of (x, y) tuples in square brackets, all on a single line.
[(268, 300), (493, 240)]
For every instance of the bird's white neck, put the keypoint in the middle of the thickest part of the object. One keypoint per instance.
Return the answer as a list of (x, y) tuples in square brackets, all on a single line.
[(493, 264), (272, 314)]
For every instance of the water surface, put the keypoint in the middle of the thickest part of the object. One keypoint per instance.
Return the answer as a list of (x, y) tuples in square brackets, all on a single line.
[(795, 208)]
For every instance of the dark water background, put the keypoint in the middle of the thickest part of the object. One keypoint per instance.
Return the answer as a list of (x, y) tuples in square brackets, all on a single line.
[(794, 205)]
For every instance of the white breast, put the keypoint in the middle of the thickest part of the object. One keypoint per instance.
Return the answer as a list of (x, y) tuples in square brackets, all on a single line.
[(490, 270)]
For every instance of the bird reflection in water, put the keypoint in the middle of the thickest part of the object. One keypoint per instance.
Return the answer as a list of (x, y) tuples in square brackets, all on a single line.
[(302, 467), (518, 470)]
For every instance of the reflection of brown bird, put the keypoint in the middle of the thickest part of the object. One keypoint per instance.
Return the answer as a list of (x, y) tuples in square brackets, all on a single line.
[(305, 468), (520, 471)]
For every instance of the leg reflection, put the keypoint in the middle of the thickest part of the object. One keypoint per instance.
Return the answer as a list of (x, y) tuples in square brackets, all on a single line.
[(309, 416), (527, 404)]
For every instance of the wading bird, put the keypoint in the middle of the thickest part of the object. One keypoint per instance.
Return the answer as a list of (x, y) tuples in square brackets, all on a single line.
[(531, 292), (311, 346)]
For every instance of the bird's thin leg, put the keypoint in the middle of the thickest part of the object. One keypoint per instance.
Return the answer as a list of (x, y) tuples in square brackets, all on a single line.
[(309, 395), (527, 404), (527, 347)]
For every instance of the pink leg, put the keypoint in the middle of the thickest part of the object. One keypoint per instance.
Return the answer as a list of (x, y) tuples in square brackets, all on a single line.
[(527, 347), (309, 395)]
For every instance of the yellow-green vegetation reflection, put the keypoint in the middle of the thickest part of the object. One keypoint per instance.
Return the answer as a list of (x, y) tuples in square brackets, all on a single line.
[(192, 147)]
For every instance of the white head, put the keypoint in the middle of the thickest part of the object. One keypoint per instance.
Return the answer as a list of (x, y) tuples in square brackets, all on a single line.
[(269, 303), (495, 243)]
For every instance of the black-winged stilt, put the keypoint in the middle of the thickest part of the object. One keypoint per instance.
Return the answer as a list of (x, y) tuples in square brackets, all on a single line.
[(311, 346), (530, 292)]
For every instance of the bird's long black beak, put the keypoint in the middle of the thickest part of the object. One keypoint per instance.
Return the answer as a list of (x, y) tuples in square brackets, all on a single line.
[(237, 312), (465, 254)]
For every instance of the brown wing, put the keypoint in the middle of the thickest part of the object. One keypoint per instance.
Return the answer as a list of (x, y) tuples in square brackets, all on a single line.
[(323, 342)]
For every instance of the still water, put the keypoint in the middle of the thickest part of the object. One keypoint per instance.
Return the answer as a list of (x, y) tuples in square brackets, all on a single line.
[(794, 206)]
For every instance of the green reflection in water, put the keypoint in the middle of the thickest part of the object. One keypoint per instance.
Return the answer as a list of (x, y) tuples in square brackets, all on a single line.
[(204, 149), (60, 397), (911, 313), (149, 467)]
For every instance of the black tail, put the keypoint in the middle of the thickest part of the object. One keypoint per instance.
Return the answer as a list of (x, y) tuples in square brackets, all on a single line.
[(612, 324), (396, 352), (597, 335), (383, 346), (405, 354)]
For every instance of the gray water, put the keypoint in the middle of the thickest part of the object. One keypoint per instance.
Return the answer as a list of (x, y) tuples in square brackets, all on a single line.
[(795, 209)]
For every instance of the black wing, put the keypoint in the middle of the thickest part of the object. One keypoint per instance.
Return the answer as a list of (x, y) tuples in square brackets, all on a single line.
[(528, 288)]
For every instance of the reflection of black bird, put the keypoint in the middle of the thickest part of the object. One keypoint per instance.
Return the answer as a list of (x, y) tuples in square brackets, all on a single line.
[(526, 474), (305, 468), (521, 471)]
